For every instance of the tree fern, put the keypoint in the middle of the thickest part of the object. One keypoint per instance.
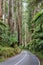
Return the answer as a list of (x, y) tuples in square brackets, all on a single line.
[(37, 16), (2, 24)]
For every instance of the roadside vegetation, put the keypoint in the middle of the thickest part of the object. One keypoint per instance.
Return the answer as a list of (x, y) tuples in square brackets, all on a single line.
[(36, 44), (7, 52), (21, 27), (8, 43)]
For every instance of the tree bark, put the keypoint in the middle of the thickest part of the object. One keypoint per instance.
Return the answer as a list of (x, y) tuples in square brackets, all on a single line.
[(10, 22), (4, 12), (0, 9), (19, 22)]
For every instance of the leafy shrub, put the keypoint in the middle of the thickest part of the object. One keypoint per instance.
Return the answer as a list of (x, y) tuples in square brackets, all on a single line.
[(41, 45), (7, 39), (7, 52), (37, 36), (17, 49), (36, 45)]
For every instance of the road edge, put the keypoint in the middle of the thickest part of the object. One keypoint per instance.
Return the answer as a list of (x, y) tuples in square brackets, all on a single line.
[(38, 60)]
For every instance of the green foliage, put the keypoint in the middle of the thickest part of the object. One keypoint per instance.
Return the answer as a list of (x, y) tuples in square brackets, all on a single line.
[(37, 35), (6, 38), (17, 49), (37, 16), (6, 52), (7, 44), (2, 24)]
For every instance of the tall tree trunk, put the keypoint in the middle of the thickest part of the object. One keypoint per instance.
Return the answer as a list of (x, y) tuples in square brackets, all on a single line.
[(13, 19), (19, 22), (4, 5), (0, 9), (12, 9), (10, 22)]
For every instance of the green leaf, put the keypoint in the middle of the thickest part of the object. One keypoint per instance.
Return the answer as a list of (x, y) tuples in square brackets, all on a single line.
[(37, 16)]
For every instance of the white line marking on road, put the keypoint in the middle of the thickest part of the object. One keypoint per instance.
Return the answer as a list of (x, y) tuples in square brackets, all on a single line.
[(21, 60), (38, 61)]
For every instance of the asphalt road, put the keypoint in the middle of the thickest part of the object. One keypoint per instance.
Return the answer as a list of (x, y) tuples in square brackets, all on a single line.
[(25, 58)]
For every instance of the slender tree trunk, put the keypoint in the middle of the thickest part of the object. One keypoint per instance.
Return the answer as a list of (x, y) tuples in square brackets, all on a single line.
[(10, 14), (4, 4), (13, 10), (19, 22), (13, 19), (0, 9)]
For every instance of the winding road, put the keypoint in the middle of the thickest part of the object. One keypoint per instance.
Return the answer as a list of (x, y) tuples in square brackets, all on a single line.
[(24, 58)]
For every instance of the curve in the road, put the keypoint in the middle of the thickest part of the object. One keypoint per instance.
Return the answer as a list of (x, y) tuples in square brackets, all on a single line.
[(25, 58)]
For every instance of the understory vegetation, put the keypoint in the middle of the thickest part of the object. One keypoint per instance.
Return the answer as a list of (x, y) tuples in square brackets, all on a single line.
[(8, 43), (36, 44), (7, 52)]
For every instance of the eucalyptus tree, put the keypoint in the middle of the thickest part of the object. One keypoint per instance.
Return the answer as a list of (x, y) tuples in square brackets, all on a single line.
[(19, 17), (4, 11), (0, 9), (10, 22)]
